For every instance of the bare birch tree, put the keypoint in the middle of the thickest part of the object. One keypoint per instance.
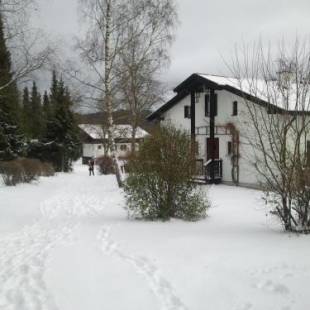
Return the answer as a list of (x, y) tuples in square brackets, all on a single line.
[(148, 36), (99, 49), (276, 88)]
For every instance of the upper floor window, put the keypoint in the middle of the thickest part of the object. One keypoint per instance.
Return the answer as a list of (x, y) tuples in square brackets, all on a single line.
[(235, 108), (187, 111), (208, 105)]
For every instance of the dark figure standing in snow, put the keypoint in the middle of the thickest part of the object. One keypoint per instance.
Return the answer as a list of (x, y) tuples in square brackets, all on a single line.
[(91, 164)]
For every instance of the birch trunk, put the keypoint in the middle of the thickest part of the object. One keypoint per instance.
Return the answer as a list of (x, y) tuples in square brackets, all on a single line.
[(108, 93)]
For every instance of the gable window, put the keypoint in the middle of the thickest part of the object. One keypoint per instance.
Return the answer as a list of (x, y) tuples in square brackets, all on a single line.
[(208, 105), (235, 108), (187, 111)]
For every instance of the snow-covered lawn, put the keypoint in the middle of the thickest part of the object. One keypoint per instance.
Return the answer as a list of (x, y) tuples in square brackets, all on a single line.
[(66, 243)]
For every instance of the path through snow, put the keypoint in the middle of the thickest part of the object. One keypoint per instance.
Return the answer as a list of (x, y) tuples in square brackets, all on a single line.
[(25, 255), (66, 244)]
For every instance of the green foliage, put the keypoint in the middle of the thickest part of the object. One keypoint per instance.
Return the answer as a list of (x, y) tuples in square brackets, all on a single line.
[(11, 140), (37, 120), (62, 134), (160, 184)]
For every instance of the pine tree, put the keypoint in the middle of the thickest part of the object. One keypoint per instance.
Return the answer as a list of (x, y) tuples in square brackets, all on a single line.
[(26, 106), (11, 144), (62, 130), (46, 106), (36, 113)]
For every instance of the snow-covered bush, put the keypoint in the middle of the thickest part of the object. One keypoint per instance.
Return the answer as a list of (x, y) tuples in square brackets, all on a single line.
[(160, 184), (24, 170)]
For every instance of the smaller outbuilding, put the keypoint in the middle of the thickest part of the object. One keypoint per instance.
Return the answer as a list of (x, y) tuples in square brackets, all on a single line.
[(95, 140)]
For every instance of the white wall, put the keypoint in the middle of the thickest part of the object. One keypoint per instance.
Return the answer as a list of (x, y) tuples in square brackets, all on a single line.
[(176, 115), (247, 173), (97, 150)]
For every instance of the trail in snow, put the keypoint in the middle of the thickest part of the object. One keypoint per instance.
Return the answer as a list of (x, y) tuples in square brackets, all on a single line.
[(23, 260), (157, 283), (24, 255)]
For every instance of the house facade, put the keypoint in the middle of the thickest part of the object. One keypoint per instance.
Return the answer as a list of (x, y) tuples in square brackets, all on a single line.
[(214, 112), (95, 140)]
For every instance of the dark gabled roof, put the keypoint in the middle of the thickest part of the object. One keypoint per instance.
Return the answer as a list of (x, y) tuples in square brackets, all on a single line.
[(197, 82)]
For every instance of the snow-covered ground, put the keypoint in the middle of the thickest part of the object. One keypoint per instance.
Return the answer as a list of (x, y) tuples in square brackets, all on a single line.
[(66, 244)]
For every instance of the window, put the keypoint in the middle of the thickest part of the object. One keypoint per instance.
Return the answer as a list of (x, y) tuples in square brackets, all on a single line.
[(208, 105), (187, 111), (229, 148), (99, 147), (235, 108), (123, 147), (308, 153)]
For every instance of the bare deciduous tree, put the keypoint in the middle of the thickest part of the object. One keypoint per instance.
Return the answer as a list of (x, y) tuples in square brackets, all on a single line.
[(29, 51), (99, 49), (106, 47), (147, 37), (278, 125)]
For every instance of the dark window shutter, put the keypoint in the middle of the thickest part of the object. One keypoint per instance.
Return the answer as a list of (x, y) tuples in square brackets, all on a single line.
[(235, 108), (207, 105), (215, 104)]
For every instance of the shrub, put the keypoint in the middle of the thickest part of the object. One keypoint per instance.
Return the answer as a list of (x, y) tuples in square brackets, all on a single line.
[(11, 172), (160, 184), (105, 165), (47, 170), (24, 170), (31, 169)]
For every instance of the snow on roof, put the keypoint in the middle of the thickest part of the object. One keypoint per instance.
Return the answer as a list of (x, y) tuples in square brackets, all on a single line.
[(120, 131), (265, 90)]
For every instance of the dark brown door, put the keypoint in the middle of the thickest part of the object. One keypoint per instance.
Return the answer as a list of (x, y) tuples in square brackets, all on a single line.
[(213, 148)]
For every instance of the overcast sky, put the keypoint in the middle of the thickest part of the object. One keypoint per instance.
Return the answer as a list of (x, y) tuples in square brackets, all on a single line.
[(207, 32)]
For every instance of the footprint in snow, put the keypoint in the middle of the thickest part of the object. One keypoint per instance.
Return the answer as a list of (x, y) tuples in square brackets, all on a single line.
[(160, 286)]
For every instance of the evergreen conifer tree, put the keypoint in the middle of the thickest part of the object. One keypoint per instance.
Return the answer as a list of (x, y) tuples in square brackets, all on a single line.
[(36, 113), (11, 144), (46, 106), (62, 129), (26, 106)]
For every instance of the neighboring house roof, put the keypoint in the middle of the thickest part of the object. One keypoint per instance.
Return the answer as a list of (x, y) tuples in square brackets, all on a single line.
[(120, 131), (258, 91)]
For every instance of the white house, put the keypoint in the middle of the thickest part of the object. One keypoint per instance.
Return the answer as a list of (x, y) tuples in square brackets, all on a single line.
[(213, 110), (95, 139)]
